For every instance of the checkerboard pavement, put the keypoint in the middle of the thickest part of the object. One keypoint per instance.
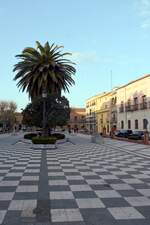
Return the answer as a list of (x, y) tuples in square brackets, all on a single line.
[(19, 175), (94, 185), (88, 184)]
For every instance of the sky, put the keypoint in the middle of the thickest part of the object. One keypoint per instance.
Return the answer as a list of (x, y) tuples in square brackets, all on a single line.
[(102, 35)]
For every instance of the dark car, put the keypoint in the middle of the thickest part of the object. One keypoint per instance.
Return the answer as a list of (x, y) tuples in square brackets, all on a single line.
[(136, 135), (123, 133)]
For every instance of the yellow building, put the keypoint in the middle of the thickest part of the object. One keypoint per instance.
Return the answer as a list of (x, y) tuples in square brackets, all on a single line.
[(125, 107), (97, 113), (103, 113)]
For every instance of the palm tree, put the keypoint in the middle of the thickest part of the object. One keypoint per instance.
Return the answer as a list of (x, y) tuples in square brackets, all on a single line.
[(44, 69)]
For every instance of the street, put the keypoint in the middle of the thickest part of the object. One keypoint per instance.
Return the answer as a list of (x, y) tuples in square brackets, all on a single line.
[(79, 183)]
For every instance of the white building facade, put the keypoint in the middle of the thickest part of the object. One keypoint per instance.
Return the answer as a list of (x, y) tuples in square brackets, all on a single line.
[(133, 105)]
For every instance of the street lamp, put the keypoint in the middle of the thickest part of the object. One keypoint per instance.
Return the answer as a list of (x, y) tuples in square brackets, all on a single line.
[(44, 96)]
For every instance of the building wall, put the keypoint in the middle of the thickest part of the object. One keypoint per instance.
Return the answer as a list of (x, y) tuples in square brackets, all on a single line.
[(97, 113), (77, 118), (103, 112), (125, 94)]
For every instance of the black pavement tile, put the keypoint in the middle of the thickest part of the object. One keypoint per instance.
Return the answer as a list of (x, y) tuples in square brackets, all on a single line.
[(8, 189), (84, 194), (144, 210), (74, 182), (31, 174), (66, 223), (29, 182), (115, 202), (59, 188), (97, 217), (56, 177), (101, 187), (4, 205), (133, 222), (140, 186), (12, 178), (25, 195), (12, 218), (91, 177), (72, 173), (129, 193)]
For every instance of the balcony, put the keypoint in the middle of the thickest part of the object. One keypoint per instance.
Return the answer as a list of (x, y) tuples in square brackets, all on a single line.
[(143, 105), (135, 107), (121, 109)]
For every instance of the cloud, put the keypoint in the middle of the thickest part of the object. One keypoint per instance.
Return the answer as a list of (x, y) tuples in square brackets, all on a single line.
[(143, 8), (90, 57)]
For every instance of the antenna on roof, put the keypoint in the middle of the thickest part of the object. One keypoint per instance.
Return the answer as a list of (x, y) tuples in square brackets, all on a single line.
[(111, 80)]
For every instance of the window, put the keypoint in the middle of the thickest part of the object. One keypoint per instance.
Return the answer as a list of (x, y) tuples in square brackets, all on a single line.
[(144, 102), (129, 124), (122, 124), (145, 123), (135, 103), (136, 124), (122, 107), (75, 118), (107, 128)]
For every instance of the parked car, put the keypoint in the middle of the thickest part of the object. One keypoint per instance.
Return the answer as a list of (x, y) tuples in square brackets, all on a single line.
[(148, 136), (123, 133), (136, 135)]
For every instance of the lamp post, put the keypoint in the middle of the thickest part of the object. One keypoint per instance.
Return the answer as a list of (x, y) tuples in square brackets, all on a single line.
[(44, 96)]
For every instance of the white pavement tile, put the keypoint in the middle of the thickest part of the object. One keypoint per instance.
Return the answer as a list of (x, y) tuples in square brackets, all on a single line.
[(141, 176), (9, 183), (2, 215), (90, 203), (30, 178), (27, 188), (138, 201), (82, 187), (14, 174), (66, 215), (87, 173), (108, 194), (5, 196), (75, 177), (121, 186), (132, 181), (107, 177), (145, 192), (22, 204), (61, 195), (58, 182), (55, 174), (95, 181), (125, 213), (32, 171), (70, 170)]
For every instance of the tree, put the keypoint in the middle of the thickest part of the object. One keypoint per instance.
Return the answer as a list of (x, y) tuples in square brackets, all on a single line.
[(58, 111), (44, 69), (7, 113)]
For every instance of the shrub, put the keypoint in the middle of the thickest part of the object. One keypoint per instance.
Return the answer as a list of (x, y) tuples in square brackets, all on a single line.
[(44, 140), (58, 136), (30, 136)]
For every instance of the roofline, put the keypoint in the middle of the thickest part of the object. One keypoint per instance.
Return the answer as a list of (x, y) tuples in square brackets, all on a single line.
[(125, 85), (99, 95), (131, 82)]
